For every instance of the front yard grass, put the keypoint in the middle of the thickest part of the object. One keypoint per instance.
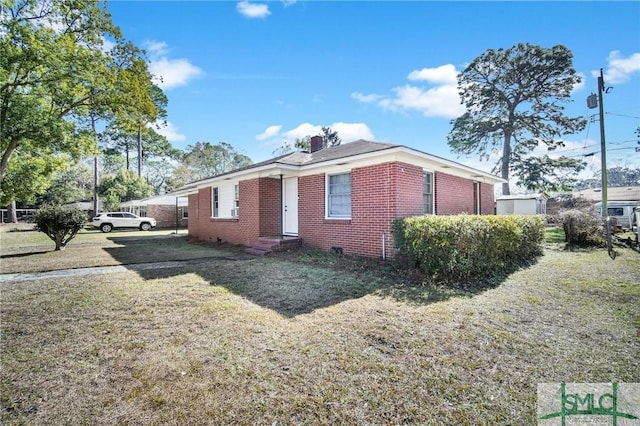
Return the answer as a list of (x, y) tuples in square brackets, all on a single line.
[(305, 338)]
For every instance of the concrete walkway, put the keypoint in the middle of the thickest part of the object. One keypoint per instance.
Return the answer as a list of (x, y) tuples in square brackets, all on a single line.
[(98, 270)]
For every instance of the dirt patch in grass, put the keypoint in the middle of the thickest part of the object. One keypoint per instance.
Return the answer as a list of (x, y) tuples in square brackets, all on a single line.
[(312, 338)]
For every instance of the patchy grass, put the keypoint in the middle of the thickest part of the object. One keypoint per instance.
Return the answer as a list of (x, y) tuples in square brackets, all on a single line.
[(31, 251), (554, 234), (310, 338)]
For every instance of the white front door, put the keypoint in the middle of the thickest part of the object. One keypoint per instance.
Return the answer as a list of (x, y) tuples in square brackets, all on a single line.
[(290, 206)]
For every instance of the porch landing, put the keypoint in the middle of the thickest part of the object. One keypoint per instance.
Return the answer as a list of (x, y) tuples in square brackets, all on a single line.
[(266, 245)]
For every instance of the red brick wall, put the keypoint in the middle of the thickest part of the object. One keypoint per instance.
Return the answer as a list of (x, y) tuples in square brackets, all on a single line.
[(454, 194), (379, 194), (165, 216), (259, 214), (487, 201)]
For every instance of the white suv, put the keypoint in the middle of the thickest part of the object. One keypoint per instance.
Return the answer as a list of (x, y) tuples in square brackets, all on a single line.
[(109, 220)]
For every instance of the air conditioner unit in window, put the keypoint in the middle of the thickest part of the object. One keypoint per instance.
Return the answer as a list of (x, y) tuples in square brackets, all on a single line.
[(235, 212)]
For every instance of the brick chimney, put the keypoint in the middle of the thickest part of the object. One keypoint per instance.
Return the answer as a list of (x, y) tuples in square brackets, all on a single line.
[(316, 143)]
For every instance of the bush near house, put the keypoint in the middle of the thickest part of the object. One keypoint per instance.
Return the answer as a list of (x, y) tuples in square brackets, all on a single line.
[(458, 247), (583, 228)]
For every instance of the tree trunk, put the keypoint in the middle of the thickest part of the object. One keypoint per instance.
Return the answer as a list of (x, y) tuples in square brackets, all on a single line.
[(96, 202), (95, 172), (6, 156), (12, 214), (139, 151), (504, 166)]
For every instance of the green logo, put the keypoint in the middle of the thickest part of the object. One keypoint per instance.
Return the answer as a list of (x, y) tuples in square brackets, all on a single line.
[(588, 401)]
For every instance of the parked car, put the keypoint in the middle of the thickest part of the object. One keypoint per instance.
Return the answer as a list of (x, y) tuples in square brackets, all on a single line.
[(108, 221)]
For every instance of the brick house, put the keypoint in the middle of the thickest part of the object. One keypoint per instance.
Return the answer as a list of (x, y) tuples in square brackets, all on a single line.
[(165, 209), (343, 197)]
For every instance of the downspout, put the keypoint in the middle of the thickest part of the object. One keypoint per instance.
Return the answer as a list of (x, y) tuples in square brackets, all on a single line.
[(281, 208), (384, 247), (177, 213)]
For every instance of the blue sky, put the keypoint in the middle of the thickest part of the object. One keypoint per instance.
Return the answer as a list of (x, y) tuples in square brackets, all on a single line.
[(257, 73)]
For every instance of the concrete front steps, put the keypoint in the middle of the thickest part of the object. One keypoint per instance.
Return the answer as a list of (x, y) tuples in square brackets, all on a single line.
[(266, 245)]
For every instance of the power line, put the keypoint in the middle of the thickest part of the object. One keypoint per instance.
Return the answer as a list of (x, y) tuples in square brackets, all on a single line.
[(621, 115)]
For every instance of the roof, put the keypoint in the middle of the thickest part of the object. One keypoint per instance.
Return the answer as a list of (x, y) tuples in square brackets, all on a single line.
[(613, 194), (346, 150), (157, 200), (522, 197), (357, 150)]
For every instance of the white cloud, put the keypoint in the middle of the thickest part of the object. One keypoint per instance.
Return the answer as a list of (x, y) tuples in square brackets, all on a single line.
[(620, 69), (169, 131), (270, 132), (156, 48), (444, 74), (578, 87), (304, 129), (348, 132), (440, 100), (253, 10), (169, 73), (366, 99)]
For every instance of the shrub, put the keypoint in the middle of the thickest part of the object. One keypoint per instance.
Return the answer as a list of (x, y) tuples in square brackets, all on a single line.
[(454, 247), (583, 228), (60, 223)]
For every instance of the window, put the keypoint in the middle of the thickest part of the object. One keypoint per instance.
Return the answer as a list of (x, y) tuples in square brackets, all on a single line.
[(339, 196), (615, 211), (427, 192), (236, 200), (184, 211), (214, 202)]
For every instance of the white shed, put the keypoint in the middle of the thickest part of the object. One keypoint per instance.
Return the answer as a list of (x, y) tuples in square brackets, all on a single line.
[(522, 204)]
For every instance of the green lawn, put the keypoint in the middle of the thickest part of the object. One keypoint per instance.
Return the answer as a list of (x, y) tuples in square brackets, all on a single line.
[(301, 338)]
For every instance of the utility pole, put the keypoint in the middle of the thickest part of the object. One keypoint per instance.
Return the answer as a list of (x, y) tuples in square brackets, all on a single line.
[(593, 102), (603, 151)]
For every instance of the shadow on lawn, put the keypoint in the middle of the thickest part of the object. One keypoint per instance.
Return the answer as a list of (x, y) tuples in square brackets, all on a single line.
[(15, 255), (295, 282)]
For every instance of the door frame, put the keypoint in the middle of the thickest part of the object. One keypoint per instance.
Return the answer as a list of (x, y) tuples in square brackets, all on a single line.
[(290, 215)]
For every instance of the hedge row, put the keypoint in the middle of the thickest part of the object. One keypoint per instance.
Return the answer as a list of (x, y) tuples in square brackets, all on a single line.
[(454, 247)]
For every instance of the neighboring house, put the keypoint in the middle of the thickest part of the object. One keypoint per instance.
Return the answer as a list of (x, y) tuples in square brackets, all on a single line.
[(623, 193), (87, 206), (343, 197), (521, 204), (165, 209)]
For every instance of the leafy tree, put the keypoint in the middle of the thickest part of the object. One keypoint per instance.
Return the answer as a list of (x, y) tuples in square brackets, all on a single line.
[(57, 78), (147, 103), (513, 99), (68, 186), (204, 160), (616, 177), (124, 186), (60, 223), (27, 176)]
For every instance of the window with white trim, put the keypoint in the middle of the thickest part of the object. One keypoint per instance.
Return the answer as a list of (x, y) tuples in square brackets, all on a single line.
[(236, 201), (427, 192), (215, 202), (339, 196)]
